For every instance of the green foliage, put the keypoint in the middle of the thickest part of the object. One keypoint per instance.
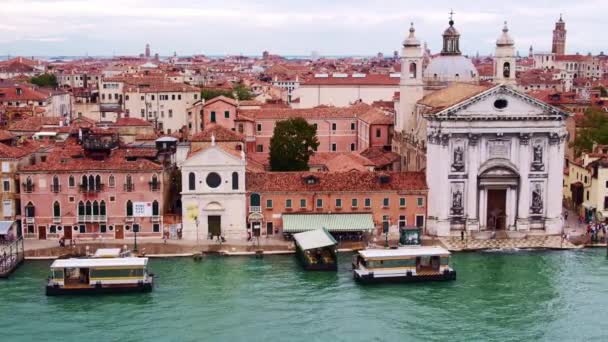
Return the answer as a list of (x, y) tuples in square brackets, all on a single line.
[(44, 80), (594, 129), (292, 143), (240, 90)]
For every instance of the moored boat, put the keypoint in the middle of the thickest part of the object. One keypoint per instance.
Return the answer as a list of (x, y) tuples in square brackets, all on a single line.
[(316, 250), (408, 264), (99, 275)]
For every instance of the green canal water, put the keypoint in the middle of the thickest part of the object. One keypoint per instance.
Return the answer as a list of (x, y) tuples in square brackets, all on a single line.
[(520, 296)]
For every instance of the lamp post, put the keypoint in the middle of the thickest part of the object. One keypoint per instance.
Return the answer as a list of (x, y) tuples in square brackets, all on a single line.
[(135, 230), (196, 222)]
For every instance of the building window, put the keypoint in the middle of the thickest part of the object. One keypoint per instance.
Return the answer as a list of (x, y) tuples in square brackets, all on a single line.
[(227, 114), (259, 148), (235, 181), (368, 202), (378, 133), (288, 203), (268, 204), (156, 228), (155, 208), (170, 113), (212, 119), (6, 185), (71, 199), (385, 202), (71, 182), (402, 202), (303, 203), (102, 208), (402, 221), (338, 203), (259, 127), (606, 203), (111, 181), (334, 147), (129, 208), (30, 210), (333, 126), (319, 203), (56, 209), (352, 126), (352, 147), (354, 203), (587, 195), (420, 201), (102, 228), (191, 181)]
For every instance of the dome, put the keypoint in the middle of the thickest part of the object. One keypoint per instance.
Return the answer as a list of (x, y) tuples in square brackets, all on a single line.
[(451, 68), (505, 39), (451, 30), (411, 39)]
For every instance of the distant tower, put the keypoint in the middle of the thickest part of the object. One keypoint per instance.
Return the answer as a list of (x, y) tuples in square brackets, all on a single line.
[(411, 85), (395, 55), (504, 59), (451, 39), (531, 52), (559, 37), (147, 53)]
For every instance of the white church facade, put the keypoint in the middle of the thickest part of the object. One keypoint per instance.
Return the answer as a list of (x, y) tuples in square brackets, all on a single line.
[(493, 156)]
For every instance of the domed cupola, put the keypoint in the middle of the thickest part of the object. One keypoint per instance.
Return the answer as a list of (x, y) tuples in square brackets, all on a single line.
[(451, 38), (505, 39), (411, 38)]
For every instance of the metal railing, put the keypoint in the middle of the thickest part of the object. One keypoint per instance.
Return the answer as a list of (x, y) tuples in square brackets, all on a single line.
[(129, 187), (55, 188), (90, 188), (11, 255), (255, 209), (154, 186), (92, 218), (28, 188)]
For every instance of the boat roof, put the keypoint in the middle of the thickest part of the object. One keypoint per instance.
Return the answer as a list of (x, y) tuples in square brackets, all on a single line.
[(312, 239), (403, 252), (100, 262), (107, 253)]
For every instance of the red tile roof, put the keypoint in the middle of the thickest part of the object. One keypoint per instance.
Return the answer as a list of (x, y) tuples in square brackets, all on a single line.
[(321, 112), (33, 123), (369, 80), (353, 181), (11, 152), (131, 122), (220, 132)]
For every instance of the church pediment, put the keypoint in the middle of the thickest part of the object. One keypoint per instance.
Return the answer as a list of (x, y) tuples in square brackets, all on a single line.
[(213, 156), (501, 103)]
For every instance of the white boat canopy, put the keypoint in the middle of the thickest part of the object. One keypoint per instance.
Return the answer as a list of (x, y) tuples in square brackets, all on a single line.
[(403, 252), (107, 253), (5, 226), (312, 239), (101, 262)]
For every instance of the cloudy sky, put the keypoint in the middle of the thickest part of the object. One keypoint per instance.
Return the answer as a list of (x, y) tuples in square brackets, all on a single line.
[(287, 27)]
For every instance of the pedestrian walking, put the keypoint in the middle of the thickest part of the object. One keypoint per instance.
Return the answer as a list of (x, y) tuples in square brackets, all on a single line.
[(566, 215)]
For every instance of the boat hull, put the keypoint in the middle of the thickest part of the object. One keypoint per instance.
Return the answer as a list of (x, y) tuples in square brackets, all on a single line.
[(55, 290), (370, 278)]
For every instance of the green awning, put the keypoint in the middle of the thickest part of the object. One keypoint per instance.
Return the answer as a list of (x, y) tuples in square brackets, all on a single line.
[(295, 223)]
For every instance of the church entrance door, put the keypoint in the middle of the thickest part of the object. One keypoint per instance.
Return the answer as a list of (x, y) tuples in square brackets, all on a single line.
[(215, 225), (497, 203)]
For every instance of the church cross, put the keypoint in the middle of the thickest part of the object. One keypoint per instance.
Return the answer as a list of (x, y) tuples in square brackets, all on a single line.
[(452, 14)]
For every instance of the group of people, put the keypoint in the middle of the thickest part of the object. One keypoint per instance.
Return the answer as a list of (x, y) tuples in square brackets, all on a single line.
[(597, 232)]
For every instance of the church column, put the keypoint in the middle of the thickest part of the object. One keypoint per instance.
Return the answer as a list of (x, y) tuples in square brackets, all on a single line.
[(553, 198), (472, 195), (523, 198)]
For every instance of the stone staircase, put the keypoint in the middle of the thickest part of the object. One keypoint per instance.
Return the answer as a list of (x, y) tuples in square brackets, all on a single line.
[(502, 242)]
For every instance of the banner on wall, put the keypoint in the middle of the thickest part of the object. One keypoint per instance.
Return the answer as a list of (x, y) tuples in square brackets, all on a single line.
[(142, 209)]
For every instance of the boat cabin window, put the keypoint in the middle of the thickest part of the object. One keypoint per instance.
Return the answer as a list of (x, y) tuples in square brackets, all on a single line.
[(76, 276), (430, 263)]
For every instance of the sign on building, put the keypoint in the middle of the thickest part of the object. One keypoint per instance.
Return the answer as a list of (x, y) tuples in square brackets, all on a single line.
[(142, 209)]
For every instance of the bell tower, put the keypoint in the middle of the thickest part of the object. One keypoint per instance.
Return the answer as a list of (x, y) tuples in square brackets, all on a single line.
[(504, 59), (559, 38), (410, 86)]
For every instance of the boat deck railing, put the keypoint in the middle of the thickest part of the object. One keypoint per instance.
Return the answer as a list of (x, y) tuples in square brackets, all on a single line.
[(11, 256)]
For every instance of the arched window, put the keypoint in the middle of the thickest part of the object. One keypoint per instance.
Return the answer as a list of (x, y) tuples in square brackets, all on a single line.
[(506, 70), (95, 208), (71, 181), (98, 183), (88, 208), (235, 181), (155, 209), (91, 183), (56, 209), (254, 200), (413, 70), (81, 208), (30, 210), (191, 181), (85, 183), (102, 208), (111, 181), (129, 208), (55, 182)]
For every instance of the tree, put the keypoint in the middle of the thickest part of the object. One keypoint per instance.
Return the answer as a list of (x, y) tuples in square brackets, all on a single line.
[(593, 130), (44, 80), (292, 143)]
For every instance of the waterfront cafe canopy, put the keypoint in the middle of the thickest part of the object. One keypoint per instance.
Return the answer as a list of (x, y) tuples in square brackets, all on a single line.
[(313, 239), (100, 262), (295, 223)]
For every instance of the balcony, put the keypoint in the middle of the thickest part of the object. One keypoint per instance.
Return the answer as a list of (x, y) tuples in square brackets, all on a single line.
[(129, 219), (154, 186), (129, 187), (92, 218), (55, 188), (255, 209), (155, 219), (28, 188), (85, 188), (56, 219), (29, 220)]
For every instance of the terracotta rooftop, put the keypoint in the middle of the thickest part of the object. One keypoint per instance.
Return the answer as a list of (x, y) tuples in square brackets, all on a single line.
[(353, 181), (370, 80), (11, 152), (131, 122), (321, 112), (220, 132), (33, 123), (221, 98), (451, 95), (379, 156)]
